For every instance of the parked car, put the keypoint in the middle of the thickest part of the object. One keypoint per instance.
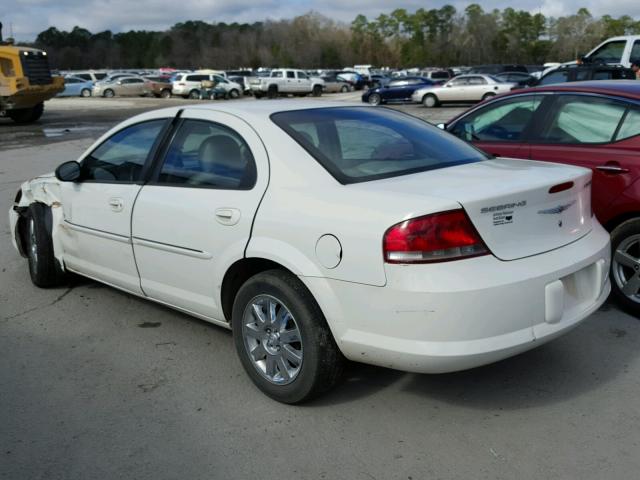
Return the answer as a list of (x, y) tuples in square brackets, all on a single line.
[(577, 73), (438, 76), (462, 264), (357, 81), (500, 68), (76, 87), (595, 125), (121, 86), (189, 85), (520, 78), (285, 81), (159, 86), (89, 75), (243, 81), (398, 90), (336, 84), (462, 89)]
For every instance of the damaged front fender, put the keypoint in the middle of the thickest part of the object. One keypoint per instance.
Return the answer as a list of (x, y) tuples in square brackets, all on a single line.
[(46, 190)]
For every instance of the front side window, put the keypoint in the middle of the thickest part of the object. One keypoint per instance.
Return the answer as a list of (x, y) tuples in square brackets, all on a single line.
[(206, 154), (357, 144), (580, 119), (503, 121), (635, 52), (122, 157), (610, 52), (84, 76), (302, 75), (555, 77), (458, 82), (291, 74)]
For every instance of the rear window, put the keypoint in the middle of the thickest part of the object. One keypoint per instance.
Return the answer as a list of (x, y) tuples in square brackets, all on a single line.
[(357, 144)]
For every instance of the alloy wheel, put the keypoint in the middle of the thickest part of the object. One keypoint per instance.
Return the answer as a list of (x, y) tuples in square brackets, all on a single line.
[(272, 339), (626, 267)]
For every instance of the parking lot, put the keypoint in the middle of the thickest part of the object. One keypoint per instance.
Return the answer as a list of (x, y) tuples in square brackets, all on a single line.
[(95, 383)]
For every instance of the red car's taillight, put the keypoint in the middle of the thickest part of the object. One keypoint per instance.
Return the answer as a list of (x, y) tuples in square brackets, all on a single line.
[(438, 237)]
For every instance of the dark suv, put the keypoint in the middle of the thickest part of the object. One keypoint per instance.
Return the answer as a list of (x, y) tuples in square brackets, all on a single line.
[(577, 73)]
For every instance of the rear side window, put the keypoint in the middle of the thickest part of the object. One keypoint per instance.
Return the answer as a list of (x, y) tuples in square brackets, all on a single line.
[(84, 76), (291, 74), (630, 125), (357, 144), (206, 154), (121, 157), (582, 119), (477, 81)]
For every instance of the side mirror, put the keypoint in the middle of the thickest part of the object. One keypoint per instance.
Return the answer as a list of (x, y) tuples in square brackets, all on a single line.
[(442, 126), (69, 171)]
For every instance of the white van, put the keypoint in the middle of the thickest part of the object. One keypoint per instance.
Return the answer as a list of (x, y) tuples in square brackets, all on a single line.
[(188, 85)]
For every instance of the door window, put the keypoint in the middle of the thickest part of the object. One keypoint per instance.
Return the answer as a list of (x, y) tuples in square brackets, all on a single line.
[(276, 74), (610, 52), (206, 154), (583, 119), (630, 125), (561, 76), (457, 82), (635, 52), (503, 121), (477, 81), (291, 74), (122, 157), (303, 75)]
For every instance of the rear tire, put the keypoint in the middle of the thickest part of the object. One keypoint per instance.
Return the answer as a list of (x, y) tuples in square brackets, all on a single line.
[(625, 240), (44, 269), (305, 363), (194, 94), (344, 89), (430, 100), (488, 95)]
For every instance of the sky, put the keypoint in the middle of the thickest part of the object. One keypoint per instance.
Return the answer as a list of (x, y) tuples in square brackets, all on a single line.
[(29, 17)]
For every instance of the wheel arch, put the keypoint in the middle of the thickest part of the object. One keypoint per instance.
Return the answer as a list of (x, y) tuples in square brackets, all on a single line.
[(614, 222)]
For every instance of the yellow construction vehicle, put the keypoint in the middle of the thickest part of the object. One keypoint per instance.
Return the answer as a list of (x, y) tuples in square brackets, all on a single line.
[(25, 81)]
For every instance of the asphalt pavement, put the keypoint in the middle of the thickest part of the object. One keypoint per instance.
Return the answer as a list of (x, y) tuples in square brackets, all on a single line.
[(99, 384)]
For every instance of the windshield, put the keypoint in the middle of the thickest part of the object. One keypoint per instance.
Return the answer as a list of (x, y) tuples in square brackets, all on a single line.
[(357, 144)]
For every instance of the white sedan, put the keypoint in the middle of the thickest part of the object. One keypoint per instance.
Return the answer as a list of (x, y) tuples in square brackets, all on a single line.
[(462, 89), (323, 231)]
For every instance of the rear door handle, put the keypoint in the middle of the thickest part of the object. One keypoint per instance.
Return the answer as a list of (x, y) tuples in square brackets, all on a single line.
[(116, 204), (228, 216), (612, 167)]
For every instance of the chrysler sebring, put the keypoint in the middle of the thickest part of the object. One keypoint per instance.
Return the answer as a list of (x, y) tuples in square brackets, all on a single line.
[(324, 232)]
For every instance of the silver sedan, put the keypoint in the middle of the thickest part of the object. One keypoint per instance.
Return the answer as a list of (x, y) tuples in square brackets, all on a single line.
[(462, 89)]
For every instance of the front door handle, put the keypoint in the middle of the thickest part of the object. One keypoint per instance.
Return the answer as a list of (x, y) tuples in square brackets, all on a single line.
[(612, 167), (116, 204), (228, 216)]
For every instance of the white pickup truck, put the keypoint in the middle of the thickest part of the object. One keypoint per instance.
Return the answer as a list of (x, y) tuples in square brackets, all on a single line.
[(617, 50), (284, 81)]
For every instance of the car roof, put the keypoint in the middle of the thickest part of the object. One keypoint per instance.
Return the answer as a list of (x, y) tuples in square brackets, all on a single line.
[(623, 88)]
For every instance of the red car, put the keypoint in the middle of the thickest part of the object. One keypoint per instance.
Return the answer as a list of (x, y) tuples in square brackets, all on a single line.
[(590, 124)]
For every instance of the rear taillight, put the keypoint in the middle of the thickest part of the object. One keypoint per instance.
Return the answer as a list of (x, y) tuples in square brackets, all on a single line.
[(438, 237)]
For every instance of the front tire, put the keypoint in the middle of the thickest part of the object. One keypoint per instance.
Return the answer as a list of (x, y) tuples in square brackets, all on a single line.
[(282, 338), (85, 92), (26, 115), (375, 99), (234, 93), (317, 91), (344, 89), (625, 266), (272, 92), (44, 269), (108, 93), (430, 100), (165, 93)]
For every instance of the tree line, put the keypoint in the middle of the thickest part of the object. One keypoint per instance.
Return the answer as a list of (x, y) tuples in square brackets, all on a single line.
[(435, 37)]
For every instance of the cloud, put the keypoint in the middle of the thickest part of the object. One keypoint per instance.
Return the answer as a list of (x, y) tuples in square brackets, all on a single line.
[(29, 17)]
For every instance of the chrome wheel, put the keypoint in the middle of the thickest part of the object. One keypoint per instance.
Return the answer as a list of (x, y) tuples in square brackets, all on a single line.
[(272, 339), (626, 267), (33, 243)]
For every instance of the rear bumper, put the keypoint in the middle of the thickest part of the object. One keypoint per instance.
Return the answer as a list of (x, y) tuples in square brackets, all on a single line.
[(458, 315)]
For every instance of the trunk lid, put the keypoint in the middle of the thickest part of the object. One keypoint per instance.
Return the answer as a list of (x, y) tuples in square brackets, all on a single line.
[(510, 203)]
